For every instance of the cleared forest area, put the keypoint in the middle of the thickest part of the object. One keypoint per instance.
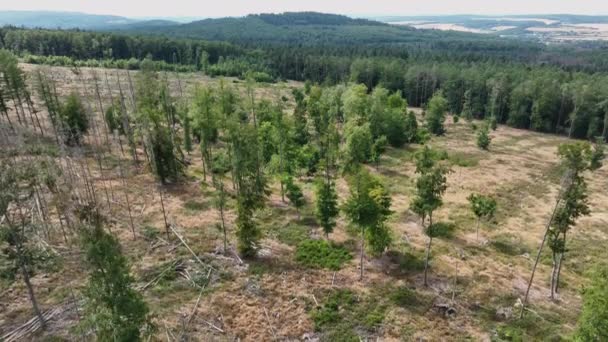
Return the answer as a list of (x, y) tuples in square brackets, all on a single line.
[(196, 288)]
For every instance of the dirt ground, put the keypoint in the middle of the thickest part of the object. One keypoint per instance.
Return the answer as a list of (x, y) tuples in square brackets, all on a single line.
[(271, 298)]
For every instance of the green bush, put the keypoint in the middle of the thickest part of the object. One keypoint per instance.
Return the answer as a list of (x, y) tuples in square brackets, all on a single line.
[(443, 229), (331, 312), (321, 254)]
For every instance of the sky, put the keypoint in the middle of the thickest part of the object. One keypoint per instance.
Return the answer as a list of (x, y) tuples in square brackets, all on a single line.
[(222, 8)]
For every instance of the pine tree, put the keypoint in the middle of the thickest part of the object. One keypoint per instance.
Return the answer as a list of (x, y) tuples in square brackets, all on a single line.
[(114, 310), (204, 123), (411, 128), (294, 194), (435, 115), (74, 120), (326, 205), (20, 254), (483, 138)]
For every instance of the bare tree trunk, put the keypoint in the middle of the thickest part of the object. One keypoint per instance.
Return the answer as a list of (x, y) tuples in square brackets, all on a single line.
[(540, 248), (428, 249), (559, 267), (30, 290), (554, 274), (124, 184), (224, 227), (362, 252), (162, 204)]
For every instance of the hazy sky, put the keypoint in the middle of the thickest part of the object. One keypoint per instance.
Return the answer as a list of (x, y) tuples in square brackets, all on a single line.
[(218, 8)]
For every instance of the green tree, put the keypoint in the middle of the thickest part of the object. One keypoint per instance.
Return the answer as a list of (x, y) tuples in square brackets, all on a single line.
[(204, 123), (300, 127), (155, 120), (368, 207), (20, 254), (593, 321), (483, 137), (114, 310), (576, 159), (294, 194), (430, 187), (327, 205), (74, 120), (411, 127), (484, 208), (378, 148), (250, 183), (435, 114), (359, 142)]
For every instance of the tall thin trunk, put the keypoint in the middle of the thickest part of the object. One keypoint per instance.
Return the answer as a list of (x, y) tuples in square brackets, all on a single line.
[(30, 290), (428, 249), (162, 204), (540, 248), (559, 267), (362, 252), (555, 258)]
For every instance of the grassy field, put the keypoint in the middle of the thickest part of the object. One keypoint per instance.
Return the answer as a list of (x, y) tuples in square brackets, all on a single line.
[(276, 297)]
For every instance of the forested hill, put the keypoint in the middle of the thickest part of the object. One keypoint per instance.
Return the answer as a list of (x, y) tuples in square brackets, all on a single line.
[(75, 20), (65, 20), (304, 28)]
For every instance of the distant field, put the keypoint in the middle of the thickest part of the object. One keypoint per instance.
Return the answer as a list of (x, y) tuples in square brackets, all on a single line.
[(551, 28)]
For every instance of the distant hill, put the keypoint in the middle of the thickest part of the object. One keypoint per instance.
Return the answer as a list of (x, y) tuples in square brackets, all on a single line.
[(71, 20), (299, 28)]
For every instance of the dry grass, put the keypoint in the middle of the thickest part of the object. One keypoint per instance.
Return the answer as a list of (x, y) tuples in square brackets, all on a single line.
[(273, 296)]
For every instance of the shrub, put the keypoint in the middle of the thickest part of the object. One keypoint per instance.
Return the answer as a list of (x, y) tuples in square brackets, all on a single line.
[(321, 254)]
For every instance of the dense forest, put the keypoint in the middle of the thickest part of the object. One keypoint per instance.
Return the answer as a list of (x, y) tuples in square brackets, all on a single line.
[(523, 84)]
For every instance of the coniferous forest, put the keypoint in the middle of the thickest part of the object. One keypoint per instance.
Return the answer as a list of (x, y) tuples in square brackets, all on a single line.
[(301, 176)]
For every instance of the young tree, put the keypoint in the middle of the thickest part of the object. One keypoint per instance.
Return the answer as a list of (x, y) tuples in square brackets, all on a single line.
[(204, 123), (430, 187), (359, 141), (300, 127), (368, 207), (593, 321), (74, 120), (378, 148), (155, 119), (114, 310), (484, 208), (435, 114), (251, 186), (294, 194), (575, 159), (21, 255), (220, 204), (326, 206), (411, 127), (483, 137)]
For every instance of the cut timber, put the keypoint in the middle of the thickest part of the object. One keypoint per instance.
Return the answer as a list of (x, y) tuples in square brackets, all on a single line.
[(33, 325)]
